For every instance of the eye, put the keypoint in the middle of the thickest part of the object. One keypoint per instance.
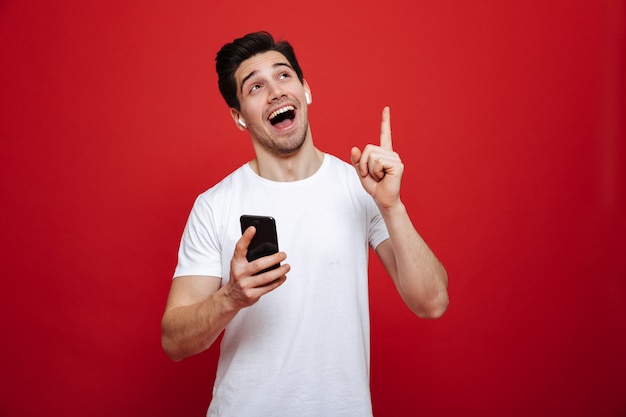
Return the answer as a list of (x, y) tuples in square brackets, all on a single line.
[(254, 87), (284, 75)]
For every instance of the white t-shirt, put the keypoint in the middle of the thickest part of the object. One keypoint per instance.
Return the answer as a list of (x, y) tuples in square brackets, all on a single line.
[(302, 349)]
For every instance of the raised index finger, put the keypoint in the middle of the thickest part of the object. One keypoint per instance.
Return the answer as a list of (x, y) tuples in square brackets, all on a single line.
[(385, 130)]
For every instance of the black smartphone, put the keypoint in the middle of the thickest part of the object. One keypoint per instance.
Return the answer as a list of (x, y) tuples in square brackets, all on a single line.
[(265, 241)]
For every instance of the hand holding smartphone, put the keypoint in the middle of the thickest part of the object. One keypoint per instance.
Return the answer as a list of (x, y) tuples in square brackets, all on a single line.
[(265, 240)]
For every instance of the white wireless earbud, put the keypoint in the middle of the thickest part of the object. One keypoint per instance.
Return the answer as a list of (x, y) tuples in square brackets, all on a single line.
[(308, 97), (242, 123)]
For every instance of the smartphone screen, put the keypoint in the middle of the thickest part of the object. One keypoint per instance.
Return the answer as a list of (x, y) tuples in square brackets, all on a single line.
[(265, 241)]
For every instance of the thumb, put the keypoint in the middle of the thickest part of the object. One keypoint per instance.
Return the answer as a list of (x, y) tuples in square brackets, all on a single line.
[(355, 155)]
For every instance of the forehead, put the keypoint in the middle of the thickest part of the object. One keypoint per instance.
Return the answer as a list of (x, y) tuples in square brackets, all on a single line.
[(265, 61)]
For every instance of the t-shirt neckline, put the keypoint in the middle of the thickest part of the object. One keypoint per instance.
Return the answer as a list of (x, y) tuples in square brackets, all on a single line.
[(250, 172)]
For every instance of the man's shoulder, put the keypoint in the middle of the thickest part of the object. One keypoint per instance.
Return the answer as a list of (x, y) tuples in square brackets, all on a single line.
[(337, 163), (341, 171), (230, 180), (225, 185)]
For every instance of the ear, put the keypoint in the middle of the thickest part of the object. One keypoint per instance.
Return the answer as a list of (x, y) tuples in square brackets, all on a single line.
[(307, 92), (239, 122)]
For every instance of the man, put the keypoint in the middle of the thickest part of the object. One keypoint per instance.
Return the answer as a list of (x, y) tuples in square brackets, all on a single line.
[(296, 346)]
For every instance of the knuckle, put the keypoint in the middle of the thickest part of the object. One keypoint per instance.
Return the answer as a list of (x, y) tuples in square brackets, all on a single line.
[(257, 265)]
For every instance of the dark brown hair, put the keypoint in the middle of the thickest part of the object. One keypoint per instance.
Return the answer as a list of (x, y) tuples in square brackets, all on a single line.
[(233, 54)]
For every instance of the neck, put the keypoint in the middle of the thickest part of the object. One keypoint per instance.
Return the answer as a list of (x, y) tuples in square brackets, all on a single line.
[(302, 164)]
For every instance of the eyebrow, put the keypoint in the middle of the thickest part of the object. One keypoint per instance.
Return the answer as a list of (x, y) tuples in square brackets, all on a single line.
[(276, 65)]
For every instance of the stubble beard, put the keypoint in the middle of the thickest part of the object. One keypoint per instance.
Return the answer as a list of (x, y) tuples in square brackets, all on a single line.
[(285, 146)]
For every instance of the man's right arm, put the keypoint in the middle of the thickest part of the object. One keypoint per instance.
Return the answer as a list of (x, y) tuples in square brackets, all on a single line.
[(195, 314), (198, 309)]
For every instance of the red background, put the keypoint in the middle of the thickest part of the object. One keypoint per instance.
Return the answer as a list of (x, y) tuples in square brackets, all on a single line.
[(509, 117)]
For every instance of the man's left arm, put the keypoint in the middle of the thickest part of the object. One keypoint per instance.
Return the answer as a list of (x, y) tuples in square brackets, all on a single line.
[(418, 275)]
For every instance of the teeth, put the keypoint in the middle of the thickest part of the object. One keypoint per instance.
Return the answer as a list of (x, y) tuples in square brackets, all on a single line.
[(281, 111)]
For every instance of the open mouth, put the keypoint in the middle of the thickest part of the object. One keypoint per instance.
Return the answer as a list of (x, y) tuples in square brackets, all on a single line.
[(282, 117)]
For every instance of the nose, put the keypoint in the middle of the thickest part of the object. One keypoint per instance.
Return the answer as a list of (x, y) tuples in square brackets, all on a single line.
[(275, 92)]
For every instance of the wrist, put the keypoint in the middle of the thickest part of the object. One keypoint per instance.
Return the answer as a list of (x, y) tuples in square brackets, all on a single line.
[(395, 208), (226, 302)]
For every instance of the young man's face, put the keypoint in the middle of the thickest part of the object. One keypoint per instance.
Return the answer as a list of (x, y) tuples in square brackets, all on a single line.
[(272, 102)]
